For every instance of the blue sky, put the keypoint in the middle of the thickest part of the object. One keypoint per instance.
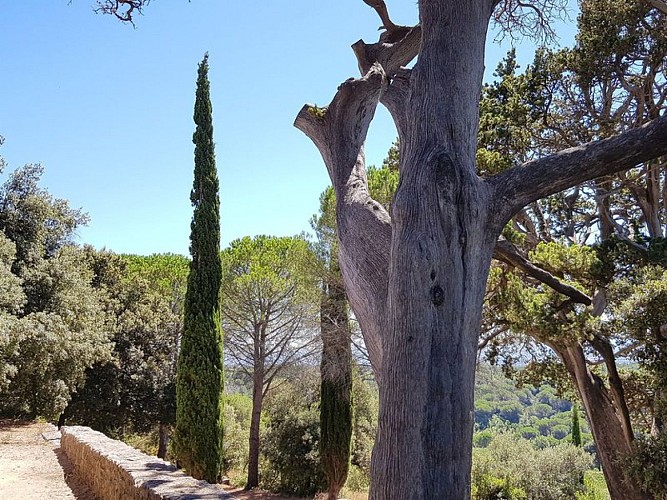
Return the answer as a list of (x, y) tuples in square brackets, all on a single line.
[(107, 108)]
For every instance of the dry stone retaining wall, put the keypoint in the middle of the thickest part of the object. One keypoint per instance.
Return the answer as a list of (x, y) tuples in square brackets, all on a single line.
[(116, 471)]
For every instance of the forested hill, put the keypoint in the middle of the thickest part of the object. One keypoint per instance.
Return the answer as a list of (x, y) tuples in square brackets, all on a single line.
[(537, 413)]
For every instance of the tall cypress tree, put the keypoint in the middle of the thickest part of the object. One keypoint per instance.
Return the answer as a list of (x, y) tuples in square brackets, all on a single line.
[(336, 382), (576, 429), (199, 375)]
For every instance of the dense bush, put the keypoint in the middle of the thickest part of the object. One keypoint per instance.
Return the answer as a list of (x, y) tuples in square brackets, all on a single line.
[(237, 430), (291, 461), (648, 465), (482, 439), (134, 390), (511, 467), (489, 487)]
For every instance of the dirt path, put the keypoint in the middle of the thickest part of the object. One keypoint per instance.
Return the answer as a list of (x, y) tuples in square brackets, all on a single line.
[(34, 468)]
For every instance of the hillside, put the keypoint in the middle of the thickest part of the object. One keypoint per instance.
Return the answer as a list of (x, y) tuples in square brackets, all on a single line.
[(536, 412)]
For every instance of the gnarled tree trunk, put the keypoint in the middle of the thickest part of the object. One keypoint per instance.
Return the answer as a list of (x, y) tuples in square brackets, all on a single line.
[(416, 280)]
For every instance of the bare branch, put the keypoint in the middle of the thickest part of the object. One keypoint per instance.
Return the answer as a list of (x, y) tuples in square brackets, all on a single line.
[(517, 187), (381, 8), (529, 18), (364, 230), (123, 10)]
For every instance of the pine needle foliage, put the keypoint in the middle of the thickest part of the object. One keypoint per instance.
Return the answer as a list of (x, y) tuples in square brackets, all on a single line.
[(199, 376)]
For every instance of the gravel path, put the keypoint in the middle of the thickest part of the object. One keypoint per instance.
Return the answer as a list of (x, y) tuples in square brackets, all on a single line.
[(32, 467)]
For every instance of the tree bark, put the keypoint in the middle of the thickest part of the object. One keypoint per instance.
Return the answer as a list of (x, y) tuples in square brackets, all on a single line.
[(611, 441), (604, 347), (442, 240), (363, 224), (163, 441)]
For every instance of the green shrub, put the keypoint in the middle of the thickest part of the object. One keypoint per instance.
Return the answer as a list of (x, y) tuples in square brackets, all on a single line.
[(489, 487), (292, 461), (528, 432), (560, 431), (146, 443), (511, 465), (482, 439), (357, 479), (237, 430), (364, 422), (648, 465), (595, 487), (541, 442)]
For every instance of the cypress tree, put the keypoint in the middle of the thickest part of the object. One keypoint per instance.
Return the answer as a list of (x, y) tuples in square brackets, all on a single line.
[(199, 375), (576, 430), (336, 383)]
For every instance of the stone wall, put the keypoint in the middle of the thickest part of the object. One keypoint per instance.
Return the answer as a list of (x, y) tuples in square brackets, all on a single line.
[(116, 471)]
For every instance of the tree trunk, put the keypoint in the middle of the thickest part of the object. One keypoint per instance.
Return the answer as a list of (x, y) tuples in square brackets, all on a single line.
[(658, 422), (253, 441), (426, 396), (336, 386), (441, 249), (610, 439), (163, 443)]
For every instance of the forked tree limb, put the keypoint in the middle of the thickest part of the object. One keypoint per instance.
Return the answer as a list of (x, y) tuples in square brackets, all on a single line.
[(519, 186), (339, 132), (390, 54), (395, 99), (392, 57)]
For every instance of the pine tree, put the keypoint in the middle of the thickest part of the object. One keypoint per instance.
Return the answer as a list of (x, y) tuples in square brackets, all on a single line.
[(199, 377), (576, 430)]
